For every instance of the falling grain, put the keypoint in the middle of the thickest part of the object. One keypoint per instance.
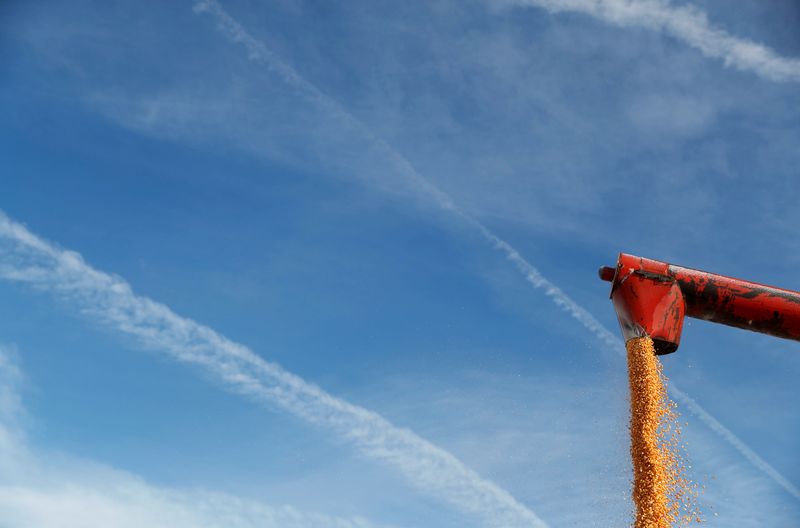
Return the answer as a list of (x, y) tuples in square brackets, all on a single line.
[(662, 494)]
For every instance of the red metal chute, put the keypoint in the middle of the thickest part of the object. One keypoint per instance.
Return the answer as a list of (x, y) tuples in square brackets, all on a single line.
[(652, 297)]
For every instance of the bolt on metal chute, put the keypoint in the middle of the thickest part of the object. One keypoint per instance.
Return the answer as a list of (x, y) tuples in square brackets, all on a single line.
[(651, 299)]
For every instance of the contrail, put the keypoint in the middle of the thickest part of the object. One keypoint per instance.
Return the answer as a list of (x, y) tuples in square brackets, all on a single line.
[(687, 23), (25, 257), (257, 51)]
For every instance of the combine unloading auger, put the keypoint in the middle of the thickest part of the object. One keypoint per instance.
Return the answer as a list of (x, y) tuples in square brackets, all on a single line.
[(651, 299)]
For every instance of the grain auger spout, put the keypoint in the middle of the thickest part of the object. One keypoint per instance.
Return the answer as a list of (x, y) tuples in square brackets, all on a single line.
[(651, 299)]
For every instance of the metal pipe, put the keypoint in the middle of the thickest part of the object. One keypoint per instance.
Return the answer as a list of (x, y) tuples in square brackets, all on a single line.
[(652, 297)]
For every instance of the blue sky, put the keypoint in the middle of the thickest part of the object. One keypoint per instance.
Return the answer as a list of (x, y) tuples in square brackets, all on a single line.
[(385, 200)]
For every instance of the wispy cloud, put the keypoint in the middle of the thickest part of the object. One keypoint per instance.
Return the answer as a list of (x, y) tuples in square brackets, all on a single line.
[(620, 10), (27, 258), (687, 23), (44, 491), (123, 501)]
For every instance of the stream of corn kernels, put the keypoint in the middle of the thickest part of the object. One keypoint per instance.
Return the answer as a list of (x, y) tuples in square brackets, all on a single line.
[(662, 494)]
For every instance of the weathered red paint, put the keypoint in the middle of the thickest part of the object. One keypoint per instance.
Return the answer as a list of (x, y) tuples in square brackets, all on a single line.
[(652, 297)]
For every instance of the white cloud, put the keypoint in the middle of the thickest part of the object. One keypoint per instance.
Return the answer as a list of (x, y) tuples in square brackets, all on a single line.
[(687, 23), (120, 500), (40, 490), (27, 258)]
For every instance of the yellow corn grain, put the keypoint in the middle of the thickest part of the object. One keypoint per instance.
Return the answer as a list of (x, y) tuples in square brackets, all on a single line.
[(662, 494)]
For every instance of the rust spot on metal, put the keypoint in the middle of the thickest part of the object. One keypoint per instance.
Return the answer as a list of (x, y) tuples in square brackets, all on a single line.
[(654, 276)]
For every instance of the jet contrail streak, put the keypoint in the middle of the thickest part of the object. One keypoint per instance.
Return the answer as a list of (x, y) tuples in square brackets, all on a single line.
[(257, 51), (24, 257), (687, 23)]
